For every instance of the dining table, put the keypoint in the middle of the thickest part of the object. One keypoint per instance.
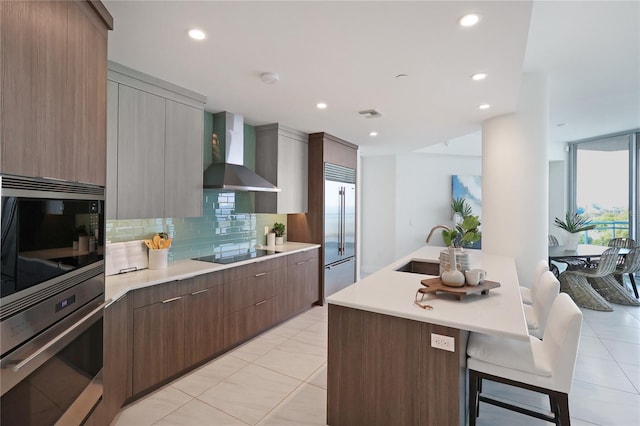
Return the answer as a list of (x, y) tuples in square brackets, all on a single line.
[(586, 252)]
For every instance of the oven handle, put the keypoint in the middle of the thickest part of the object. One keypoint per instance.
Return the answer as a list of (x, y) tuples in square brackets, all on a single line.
[(61, 340)]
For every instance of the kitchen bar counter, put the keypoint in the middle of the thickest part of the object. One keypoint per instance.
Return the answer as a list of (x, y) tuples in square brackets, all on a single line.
[(392, 293), (413, 360), (118, 285)]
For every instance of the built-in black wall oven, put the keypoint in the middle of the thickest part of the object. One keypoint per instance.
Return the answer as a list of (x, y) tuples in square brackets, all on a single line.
[(52, 300)]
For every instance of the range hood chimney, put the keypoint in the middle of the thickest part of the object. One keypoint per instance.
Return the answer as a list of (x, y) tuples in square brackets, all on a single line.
[(232, 174)]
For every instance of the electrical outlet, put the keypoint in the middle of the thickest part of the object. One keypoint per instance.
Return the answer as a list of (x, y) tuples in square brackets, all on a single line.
[(266, 230), (446, 343)]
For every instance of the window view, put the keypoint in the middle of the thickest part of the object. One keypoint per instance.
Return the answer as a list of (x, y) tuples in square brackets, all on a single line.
[(602, 188)]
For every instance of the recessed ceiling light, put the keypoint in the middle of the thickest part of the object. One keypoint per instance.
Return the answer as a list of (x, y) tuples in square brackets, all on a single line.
[(197, 34), (469, 20), (478, 76), (321, 105), (484, 106), (373, 133)]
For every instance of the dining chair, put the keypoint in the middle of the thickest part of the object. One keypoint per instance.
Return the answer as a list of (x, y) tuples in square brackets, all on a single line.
[(628, 243), (545, 366), (528, 294), (576, 285), (608, 286), (537, 313), (630, 266)]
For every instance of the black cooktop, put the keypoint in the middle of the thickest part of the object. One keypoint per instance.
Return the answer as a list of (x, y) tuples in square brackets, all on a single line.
[(251, 254)]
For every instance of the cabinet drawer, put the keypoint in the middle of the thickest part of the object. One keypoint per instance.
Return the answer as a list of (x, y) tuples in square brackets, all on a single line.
[(248, 291), (247, 322), (161, 292), (239, 272), (305, 256)]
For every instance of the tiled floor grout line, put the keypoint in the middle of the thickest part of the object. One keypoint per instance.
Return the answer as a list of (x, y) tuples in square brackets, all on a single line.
[(221, 410), (619, 366), (280, 402), (168, 385)]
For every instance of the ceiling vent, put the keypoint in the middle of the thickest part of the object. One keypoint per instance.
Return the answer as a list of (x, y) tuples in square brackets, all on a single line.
[(370, 113)]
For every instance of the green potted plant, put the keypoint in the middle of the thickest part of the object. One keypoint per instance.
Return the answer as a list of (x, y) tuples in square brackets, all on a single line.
[(465, 233), (572, 225), (461, 209), (278, 229)]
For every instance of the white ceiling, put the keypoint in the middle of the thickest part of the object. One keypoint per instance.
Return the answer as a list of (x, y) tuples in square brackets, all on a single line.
[(347, 54)]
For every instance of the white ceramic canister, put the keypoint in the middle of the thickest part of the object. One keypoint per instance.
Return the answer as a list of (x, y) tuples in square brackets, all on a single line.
[(158, 259)]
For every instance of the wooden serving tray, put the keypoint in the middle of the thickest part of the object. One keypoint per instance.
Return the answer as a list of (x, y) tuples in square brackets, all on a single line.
[(434, 285)]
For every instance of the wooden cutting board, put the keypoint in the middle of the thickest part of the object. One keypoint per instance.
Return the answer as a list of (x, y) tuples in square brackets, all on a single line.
[(435, 286)]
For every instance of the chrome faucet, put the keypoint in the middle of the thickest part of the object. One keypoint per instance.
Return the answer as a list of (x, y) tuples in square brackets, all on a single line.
[(434, 228)]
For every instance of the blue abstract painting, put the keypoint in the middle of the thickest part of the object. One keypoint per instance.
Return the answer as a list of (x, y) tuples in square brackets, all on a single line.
[(470, 188)]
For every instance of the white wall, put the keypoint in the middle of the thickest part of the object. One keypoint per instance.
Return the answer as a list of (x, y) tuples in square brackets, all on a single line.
[(557, 195), (378, 213), (409, 194)]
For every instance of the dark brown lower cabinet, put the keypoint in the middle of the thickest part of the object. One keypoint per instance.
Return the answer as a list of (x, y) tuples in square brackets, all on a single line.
[(158, 342), (301, 288), (382, 370), (249, 321), (203, 332), (117, 357)]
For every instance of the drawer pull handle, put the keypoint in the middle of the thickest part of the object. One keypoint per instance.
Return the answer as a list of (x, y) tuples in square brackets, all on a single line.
[(172, 300), (300, 263), (261, 274), (200, 292), (260, 303)]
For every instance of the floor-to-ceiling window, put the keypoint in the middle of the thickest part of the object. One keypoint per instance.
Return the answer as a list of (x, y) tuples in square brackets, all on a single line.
[(604, 176)]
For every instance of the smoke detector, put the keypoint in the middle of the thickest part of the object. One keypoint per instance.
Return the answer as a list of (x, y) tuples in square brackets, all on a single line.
[(269, 77), (370, 113)]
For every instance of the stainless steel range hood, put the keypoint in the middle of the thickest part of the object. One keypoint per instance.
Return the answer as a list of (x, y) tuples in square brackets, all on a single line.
[(232, 174)]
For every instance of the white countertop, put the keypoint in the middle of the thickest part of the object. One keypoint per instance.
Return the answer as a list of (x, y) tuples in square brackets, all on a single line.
[(118, 285), (390, 292)]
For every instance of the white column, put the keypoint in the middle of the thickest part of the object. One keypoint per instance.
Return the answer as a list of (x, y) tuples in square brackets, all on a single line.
[(515, 176)]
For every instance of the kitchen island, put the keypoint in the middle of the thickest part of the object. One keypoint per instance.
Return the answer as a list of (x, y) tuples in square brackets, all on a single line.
[(382, 366)]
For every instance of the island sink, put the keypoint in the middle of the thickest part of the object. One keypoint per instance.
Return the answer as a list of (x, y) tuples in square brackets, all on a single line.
[(426, 267)]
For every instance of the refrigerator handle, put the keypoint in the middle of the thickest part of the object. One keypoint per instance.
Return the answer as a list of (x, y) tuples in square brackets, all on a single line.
[(340, 220), (343, 214)]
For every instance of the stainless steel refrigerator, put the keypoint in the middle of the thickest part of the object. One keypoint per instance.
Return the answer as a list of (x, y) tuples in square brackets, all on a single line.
[(339, 228)]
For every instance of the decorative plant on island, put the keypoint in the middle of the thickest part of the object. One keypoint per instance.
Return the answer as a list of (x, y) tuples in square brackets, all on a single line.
[(464, 233), (573, 224)]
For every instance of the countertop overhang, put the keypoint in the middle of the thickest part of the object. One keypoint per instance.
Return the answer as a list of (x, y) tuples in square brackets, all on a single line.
[(117, 286), (390, 292)]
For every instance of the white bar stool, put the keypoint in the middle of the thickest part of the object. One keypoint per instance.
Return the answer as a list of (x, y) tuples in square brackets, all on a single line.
[(545, 366), (546, 292), (528, 294)]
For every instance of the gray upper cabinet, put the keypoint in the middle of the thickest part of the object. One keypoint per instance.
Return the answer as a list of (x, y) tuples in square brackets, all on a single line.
[(112, 150), (141, 166), (154, 153), (281, 158), (183, 160)]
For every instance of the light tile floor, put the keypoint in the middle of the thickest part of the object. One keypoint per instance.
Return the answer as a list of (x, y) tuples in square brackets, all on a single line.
[(280, 378)]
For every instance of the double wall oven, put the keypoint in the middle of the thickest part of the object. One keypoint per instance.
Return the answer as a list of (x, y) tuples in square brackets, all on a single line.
[(52, 300)]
